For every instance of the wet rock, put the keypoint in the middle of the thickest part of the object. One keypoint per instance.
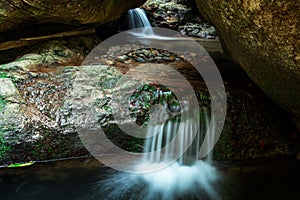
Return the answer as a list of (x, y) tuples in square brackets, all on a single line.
[(264, 39), (34, 117), (181, 16), (197, 30), (139, 59), (137, 53), (122, 58), (167, 14)]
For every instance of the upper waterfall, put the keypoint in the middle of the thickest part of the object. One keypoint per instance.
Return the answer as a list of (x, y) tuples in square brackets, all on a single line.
[(138, 19)]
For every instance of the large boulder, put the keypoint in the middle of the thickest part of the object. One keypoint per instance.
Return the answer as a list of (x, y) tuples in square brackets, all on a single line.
[(263, 37), (16, 13), (33, 114)]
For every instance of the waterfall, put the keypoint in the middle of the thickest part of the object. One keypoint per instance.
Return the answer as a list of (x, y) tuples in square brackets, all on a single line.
[(178, 140), (168, 138), (137, 19)]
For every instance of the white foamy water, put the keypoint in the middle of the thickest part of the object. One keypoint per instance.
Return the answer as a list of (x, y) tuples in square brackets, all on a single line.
[(178, 180), (178, 139), (173, 139)]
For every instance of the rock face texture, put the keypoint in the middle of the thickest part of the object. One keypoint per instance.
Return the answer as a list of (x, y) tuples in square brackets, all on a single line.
[(16, 13), (48, 104), (32, 93), (263, 37), (180, 15)]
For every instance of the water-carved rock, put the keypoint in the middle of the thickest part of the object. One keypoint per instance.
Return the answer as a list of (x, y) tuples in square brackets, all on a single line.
[(16, 13), (263, 37)]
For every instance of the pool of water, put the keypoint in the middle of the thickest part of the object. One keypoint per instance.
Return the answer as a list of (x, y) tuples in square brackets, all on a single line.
[(87, 179)]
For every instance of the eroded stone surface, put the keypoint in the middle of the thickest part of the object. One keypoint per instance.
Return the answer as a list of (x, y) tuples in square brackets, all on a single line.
[(16, 13), (263, 37)]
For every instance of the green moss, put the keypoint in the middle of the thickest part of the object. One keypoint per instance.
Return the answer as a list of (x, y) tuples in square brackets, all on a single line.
[(147, 95), (3, 75)]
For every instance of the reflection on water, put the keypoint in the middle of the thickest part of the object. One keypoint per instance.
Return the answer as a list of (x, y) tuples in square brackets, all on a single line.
[(87, 180)]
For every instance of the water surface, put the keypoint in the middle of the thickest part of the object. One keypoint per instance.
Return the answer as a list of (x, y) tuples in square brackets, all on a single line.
[(88, 179)]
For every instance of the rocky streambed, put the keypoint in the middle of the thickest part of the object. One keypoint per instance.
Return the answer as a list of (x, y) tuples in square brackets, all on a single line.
[(43, 89)]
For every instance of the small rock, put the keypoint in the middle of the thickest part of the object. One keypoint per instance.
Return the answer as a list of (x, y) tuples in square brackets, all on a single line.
[(139, 59), (128, 61), (155, 52), (110, 62), (171, 58), (165, 58), (122, 58)]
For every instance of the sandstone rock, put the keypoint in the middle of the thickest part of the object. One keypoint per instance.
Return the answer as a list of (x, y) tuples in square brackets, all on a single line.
[(263, 37), (16, 13), (34, 122)]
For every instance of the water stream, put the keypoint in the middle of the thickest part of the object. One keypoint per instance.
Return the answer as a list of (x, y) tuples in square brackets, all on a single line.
[(174, 144)]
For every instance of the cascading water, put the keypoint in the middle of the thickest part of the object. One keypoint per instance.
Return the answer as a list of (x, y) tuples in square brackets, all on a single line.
[(138, 19), (167, 139), (188, 127), (174, 138), (170, 128)]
